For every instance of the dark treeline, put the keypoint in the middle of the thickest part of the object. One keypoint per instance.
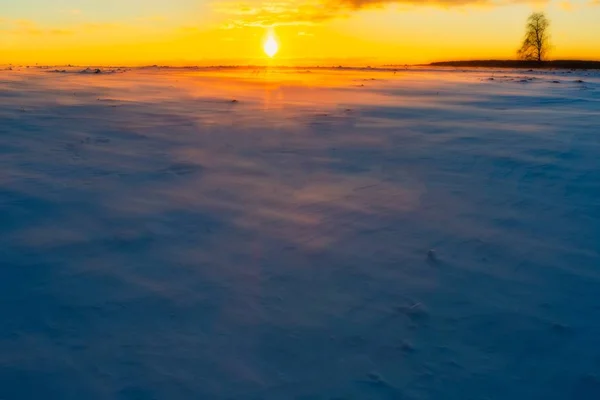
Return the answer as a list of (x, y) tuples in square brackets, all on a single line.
[(558, 64)]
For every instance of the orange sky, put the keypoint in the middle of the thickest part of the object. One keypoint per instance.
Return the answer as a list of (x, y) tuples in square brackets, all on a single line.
[(308, 31)]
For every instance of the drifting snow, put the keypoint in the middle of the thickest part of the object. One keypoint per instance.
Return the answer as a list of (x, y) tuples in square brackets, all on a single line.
[(196, 234)]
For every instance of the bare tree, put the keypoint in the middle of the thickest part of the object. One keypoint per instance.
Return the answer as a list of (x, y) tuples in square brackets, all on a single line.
[(536, 42)]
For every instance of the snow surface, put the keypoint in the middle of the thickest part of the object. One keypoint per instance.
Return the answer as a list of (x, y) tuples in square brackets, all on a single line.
[(311, 234)]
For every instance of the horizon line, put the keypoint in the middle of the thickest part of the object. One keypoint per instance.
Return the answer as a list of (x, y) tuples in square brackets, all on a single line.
[(331, 64)]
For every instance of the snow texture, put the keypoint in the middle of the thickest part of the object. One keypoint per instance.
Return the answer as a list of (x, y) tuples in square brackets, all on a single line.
[(278, 234)]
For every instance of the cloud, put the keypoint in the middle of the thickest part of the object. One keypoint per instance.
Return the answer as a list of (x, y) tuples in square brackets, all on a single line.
[(264, 14), (23, 28), (359, 4), (189, 29), (566, 6), (274, 13), (152, 18), (101, 26), (61, 32)]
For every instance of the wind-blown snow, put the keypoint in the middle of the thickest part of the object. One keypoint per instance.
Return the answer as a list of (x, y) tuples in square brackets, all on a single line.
[(239, 234)]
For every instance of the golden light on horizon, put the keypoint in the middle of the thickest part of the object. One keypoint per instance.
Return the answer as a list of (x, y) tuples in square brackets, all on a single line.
[(331, 32), (271, 47)]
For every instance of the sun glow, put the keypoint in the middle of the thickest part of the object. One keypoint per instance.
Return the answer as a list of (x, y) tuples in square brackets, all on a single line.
[(271, 47)]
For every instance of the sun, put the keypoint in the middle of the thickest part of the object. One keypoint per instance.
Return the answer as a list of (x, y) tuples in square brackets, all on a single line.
[(271, 47)]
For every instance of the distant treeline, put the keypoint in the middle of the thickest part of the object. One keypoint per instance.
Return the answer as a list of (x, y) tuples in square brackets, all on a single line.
[(559, 64)]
